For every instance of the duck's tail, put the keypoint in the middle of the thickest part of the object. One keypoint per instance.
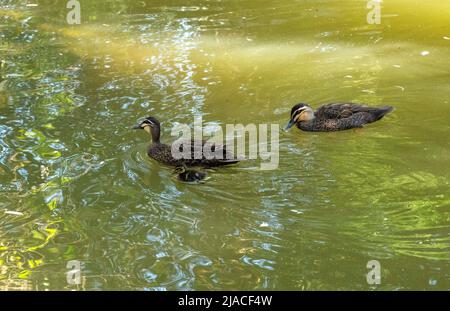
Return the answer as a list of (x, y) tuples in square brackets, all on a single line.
[(381, 112)]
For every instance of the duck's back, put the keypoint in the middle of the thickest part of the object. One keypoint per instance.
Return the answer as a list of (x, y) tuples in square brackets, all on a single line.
[(343, 116), (161, 153), (197, 154)]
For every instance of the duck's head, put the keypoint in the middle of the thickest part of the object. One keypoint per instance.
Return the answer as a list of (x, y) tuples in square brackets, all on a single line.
[(147, 124), (151, 125), (300, 113)]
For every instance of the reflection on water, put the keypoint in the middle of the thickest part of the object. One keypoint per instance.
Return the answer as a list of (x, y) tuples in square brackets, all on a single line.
[(76, 183)]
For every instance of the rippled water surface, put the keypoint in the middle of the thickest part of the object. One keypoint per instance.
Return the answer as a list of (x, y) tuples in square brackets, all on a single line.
[(76, 184)]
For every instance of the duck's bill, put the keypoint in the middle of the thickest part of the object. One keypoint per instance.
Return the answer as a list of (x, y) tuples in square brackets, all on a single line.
[(137, 127), (289, 125)]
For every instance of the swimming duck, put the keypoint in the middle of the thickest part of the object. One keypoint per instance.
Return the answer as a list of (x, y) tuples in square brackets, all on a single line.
[(163, 153), (335, 116), (186, 175)]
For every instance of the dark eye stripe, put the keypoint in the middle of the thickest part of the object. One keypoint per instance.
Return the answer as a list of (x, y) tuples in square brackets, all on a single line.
[(298, 111)]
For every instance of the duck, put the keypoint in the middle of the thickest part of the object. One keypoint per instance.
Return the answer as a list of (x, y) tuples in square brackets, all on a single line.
[(334, 116), (163, 153), (189, 176)]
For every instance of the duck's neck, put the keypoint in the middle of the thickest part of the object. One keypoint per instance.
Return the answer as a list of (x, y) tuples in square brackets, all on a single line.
[(308, 116), (155, 133)]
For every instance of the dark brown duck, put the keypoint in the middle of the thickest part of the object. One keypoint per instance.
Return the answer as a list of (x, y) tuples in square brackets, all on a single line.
[(335, 117), (163, 153)]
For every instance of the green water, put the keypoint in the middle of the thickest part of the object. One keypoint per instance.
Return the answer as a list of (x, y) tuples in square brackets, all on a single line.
[(76, 183)]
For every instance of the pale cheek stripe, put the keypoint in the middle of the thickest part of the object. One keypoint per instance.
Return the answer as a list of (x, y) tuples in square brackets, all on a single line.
[(147, 128)]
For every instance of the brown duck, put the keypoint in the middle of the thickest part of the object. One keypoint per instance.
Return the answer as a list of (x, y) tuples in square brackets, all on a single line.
[(335, 116), (163, 153)]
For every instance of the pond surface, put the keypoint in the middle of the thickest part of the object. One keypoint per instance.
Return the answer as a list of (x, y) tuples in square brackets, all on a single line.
[(76, 184)]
